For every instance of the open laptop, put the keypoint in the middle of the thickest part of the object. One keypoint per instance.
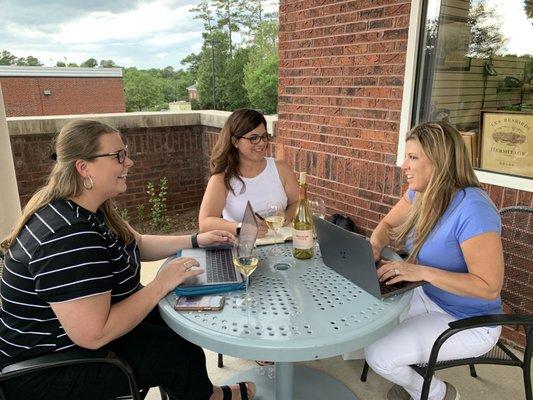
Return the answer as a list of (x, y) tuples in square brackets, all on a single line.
[(350, 255), (217, 260)]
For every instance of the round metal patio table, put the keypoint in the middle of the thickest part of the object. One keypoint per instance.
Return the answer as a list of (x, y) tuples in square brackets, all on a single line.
[(305, 311)]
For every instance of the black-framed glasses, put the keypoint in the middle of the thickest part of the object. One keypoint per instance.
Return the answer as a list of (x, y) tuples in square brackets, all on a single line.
[(255, 139), (120, 155)]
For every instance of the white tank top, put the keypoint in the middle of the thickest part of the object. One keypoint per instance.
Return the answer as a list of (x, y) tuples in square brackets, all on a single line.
[(260, 190)]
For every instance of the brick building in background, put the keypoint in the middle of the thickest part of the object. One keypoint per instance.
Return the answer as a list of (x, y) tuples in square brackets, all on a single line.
[(36, 91)]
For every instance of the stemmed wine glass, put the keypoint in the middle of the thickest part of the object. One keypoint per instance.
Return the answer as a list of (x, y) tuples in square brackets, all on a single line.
[(275, 218), (245, 260), (318, 208)]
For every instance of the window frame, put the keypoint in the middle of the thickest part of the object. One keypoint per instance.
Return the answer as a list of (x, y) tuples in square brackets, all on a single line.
[(412, 66)]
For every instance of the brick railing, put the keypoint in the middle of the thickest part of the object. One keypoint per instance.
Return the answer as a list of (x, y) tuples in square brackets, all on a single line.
[(172, 144)]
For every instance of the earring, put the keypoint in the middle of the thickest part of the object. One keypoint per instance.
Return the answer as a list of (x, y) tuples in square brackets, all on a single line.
[(88, 183)]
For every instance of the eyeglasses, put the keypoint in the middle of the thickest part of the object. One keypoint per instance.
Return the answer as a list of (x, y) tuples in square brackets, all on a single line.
[(255, 139), (120, 155)]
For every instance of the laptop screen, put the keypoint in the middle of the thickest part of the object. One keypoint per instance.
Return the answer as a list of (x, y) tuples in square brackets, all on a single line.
[(249, 226)]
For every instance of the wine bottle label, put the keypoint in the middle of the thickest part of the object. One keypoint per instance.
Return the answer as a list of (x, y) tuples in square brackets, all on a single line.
[(302, 239)]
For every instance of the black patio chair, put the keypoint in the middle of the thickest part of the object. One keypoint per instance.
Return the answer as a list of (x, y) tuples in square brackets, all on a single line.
[(517, 240), (66, 359)]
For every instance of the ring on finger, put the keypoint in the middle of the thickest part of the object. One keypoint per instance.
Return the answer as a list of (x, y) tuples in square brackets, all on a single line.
[(396, 272)]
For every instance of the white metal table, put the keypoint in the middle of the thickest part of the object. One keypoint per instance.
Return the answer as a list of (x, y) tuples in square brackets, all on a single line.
[(305, 311)]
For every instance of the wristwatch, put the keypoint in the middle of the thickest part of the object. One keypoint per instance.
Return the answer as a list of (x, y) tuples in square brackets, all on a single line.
[(238, 229)]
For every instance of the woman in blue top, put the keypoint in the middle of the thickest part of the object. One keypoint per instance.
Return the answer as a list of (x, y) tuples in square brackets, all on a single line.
[(452, 232)]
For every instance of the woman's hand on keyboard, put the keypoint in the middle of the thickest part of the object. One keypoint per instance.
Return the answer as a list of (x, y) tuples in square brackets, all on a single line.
[(176, 272), (212, 238)]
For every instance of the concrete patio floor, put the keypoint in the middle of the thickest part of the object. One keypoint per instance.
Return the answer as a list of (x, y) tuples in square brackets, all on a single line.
[(493, 382)]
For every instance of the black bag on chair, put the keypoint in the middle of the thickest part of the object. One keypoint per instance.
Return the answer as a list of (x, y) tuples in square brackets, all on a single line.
[(343, 221)]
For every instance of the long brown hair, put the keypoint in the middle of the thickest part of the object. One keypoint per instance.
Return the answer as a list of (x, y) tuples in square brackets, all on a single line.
[(225, 156), (78, 139), (446, 150)]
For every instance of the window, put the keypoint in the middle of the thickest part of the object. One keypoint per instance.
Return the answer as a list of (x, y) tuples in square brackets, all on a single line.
[(473, 66)]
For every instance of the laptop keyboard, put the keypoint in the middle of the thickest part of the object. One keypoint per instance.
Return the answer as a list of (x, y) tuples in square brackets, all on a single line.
[(220, 266), (384, 289)]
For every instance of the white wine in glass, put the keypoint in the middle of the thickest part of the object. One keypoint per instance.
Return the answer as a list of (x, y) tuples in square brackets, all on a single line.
[(275, 218), (245, 260), (275, 222), (246, 265)]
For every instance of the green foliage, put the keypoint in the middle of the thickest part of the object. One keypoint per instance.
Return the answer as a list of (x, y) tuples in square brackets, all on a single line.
[(486, 37), (124, 214), (261, 83), (142, 90), (61, 64), (107, 64), (225, 70), (90, 63), (141, 216), (159, 222), (6, 58), (261, 71), (153, 89)]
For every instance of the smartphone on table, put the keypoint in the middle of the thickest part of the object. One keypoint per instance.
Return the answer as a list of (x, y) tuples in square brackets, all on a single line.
[(199, 303)]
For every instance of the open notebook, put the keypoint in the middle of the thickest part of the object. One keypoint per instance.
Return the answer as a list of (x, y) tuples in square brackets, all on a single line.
[(284, 235)]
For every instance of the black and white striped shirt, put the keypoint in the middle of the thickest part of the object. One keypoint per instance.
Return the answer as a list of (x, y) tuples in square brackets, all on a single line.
[(63, 253)]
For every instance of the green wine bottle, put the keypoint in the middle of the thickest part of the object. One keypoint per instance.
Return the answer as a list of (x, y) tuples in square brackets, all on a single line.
[(302, 225)]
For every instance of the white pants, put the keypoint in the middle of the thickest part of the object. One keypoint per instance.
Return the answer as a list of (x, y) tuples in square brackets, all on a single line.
[(411, 343)]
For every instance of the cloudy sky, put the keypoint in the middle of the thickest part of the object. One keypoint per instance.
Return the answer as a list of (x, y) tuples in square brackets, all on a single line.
[(140, 33)]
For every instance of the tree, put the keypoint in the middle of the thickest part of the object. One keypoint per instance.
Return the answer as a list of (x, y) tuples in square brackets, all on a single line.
[(90, 63), (211, 68), (143, 91), (192, 61), (105, 63), (232, 81), (6, 58), (29, 61), (168, 72), (60, 64), (230, 14), (485, 25), (528, 8), (261, 71)]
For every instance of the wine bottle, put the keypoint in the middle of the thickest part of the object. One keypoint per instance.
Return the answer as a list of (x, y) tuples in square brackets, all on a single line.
[(302, 225)]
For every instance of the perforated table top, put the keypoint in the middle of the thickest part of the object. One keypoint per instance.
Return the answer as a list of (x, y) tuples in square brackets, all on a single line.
[(305, 311)]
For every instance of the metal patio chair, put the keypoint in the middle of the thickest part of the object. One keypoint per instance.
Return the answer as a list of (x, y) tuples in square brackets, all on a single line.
[(69, 358), (517, 240)]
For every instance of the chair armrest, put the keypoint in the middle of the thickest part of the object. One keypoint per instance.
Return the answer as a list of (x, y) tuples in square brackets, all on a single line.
[(63, 358), (491, 320)]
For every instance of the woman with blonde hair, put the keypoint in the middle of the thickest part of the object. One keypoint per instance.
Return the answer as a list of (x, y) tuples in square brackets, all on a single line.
[(72, 279), (241, 172), (452, 232)]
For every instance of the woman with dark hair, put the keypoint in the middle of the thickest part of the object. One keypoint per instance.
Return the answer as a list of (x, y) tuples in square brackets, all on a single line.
[(241, 172), (452, 232), (72, 279)]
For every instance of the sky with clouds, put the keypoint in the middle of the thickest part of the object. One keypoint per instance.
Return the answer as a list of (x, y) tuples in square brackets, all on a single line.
[(140, 33)]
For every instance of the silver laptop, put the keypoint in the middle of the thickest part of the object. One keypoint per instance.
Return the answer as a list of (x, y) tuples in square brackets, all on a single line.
[(217, 260), (350, 255)]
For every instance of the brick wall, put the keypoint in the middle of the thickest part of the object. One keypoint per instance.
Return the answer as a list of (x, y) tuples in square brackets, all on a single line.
[(179, 153), (340, 89), (24, 96)]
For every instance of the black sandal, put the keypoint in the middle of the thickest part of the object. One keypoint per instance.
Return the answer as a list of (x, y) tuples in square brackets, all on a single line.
[(226, 391)]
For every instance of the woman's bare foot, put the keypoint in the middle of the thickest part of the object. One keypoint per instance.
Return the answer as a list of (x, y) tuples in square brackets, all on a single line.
[(235, 392)]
